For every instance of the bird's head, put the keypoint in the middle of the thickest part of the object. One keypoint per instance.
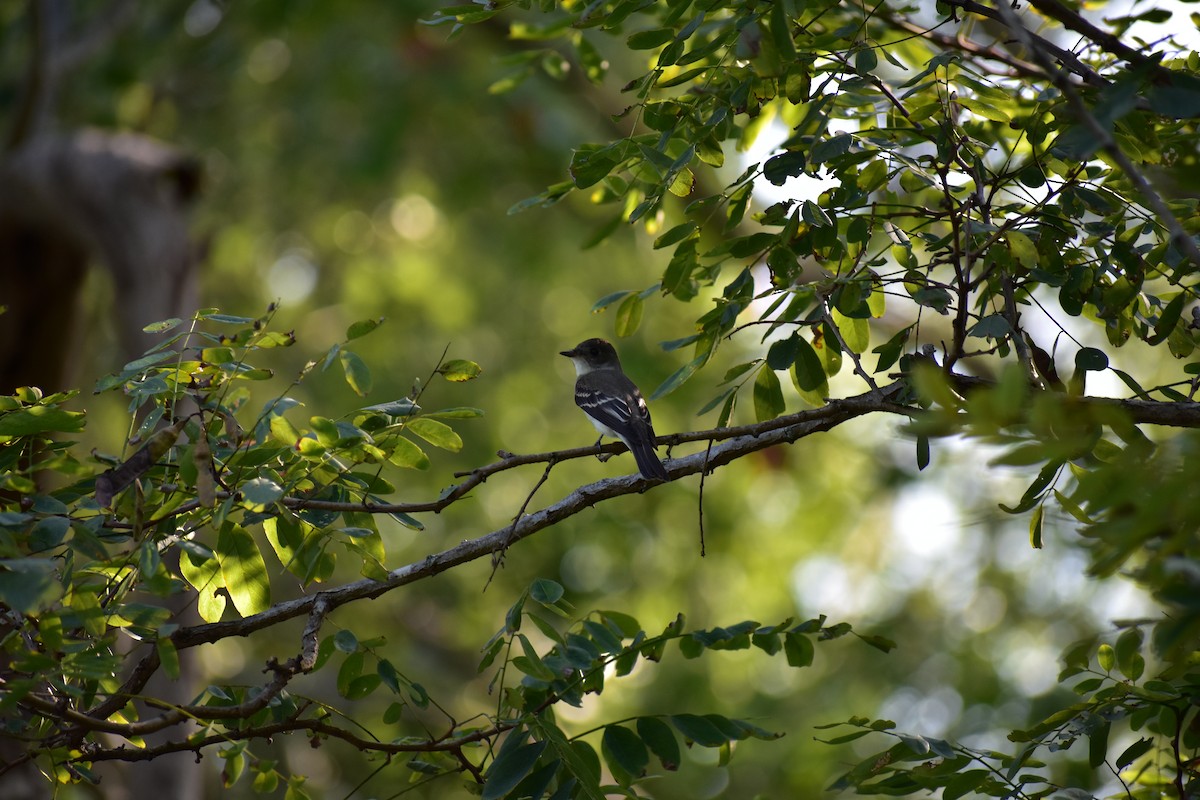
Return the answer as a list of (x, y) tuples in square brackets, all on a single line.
[(592, 354)]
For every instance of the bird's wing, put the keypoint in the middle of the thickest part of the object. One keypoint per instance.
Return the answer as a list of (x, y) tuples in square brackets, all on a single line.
[(612, 411), (615, 403)]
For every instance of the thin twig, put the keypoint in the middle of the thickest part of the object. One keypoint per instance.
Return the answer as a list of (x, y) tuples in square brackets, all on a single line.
[(700, 497), (498, 556)]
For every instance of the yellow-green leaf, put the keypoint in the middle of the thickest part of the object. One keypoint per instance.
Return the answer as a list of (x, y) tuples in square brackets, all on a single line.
[(855, 332), (168, 656), (362, 328), (358, 375), (283, 431), (1023, 249), (629, 315), (438, 434), (243, 570), (458, 370), (205, 577), (406, 454)]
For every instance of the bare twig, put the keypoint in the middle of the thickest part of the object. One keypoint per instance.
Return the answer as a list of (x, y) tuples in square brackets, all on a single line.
[(854, 359), (81, 724), (498, 556), (700, 497)]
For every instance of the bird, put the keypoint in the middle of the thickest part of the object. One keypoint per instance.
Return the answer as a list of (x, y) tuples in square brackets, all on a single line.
[(613, 403)]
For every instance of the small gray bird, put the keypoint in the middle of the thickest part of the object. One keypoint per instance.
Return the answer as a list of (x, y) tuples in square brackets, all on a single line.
[(613, 403)]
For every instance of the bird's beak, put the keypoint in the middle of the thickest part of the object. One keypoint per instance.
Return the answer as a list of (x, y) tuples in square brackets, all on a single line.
[(567, 353)]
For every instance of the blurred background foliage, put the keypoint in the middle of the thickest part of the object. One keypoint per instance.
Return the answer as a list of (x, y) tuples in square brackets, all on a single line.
[(356, 165)]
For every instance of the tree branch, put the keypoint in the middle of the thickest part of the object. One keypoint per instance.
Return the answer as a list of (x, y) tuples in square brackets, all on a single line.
[(313, 726), (738, 442), (1065, 57), (52, 708), (1102, 38)]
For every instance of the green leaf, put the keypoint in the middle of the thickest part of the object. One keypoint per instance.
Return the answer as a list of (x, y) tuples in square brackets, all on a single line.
[(625, 753), (1167, 319), (608, 300), (768, 396), (675, 235), (29, 585), (41, 419), (1134, 752), (350, 671), (394, 408), (677, 277), (362, 686), (531, 663), (647, 40), (362, 328), (661, 740), (814, 215), (782, 354), (700, 730), (889, 352), (235, 766), (404, 453), (993, 326), (923, 453), (1023, 249), (1037, 488), (510, 768), (856, 332), (228, 319), (456, 412), (457, 370), (1179, 98), (808, 372), (677, 378), (141, 364), (881, 643), (358, 375), (798, 649), (865, 60), (438, 434), (629, 315), (546, 592), (346, 641), (781, 34), (828, 149), (163, 326), (259, 493), (1091, 359), (545, 199), (780, 168), (1098, 744), (1129, 656), (243, 570), (204, 574), (1035, 527)]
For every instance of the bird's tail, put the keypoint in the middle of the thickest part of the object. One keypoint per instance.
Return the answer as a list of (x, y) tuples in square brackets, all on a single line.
[(647, 460)]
